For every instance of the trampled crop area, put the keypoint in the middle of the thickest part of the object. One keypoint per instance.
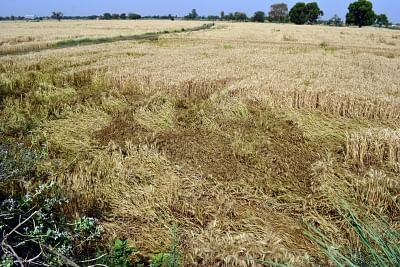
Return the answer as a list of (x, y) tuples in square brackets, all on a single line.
[(248, 141)]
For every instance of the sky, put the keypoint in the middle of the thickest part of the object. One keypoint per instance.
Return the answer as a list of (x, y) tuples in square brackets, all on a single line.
[(176, 7)]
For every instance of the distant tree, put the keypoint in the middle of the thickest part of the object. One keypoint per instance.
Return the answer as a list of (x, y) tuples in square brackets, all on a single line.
[(58, 15), (382, 20), (213, 17), (278, 12), (170, 17), (360, 13), (107, 16), (230, 16), (298, 13), (335, 20), (92, 17), (259, 16), (302, 13), (240, 16), (192, 15), (122, 16), (222, 15), (115, 16), (313, 12), (134, 16)]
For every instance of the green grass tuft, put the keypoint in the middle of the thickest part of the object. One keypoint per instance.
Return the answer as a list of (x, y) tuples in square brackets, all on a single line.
[(378, 243)]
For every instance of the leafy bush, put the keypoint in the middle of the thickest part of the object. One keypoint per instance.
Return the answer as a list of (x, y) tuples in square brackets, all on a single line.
[(171, 258), (121, 253), (34, 231), (259, 16), (302, 13), (360, 13), (20, 163)]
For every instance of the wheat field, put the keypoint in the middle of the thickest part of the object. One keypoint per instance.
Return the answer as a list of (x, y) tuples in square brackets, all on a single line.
[(241, 136)]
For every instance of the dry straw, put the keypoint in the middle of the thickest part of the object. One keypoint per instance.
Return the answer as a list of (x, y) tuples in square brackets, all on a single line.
[(193, 130), (374, 146)]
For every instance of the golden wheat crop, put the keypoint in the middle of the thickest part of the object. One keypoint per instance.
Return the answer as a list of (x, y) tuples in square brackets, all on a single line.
[(25, 36), (374, 146), (240, 135)]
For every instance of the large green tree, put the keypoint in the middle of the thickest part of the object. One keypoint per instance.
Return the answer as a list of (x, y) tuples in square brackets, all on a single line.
[(298, 13), (192, 15), (134, 16), (240, 16), (382, 20), (58, 15), (360, 13), (313, 12), (278, 12), (259, 16), (302, 13), (107, 16)]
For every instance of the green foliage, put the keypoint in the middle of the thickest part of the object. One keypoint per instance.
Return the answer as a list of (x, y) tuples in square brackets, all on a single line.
[(101, 40), (259, 16), (7, 262), (278, 13), (134, 16), (298, 13), (237, 16), (192, 15), (313, 12), (171, 258), (378, 239), (323, 45), (58, 15), (302, 13), (382, 20), (335, 21), (107, 16), (33, 224), (124, 255), (121, 253), (150, 36), (228, 46), (20, 163), (240, 16), (88, 227), (360, 13), (212, 17), (160, 260)]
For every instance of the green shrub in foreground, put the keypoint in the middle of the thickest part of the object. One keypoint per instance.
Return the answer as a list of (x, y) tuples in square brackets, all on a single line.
[(379, 243)]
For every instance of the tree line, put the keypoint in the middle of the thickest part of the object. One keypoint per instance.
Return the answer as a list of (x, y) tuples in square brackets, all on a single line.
[(360, 13)]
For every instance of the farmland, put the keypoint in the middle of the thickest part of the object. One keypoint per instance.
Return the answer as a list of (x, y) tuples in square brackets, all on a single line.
[(241, 136)]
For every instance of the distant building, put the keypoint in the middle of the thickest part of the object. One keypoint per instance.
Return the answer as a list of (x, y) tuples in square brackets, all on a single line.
[(395, 26), (30, 17)]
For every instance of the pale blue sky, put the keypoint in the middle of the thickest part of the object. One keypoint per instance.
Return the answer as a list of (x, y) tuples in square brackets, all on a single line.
[(175, 7)]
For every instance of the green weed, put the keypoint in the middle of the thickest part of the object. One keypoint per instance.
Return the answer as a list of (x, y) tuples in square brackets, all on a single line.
[(378, 243), (228, 46), (121, 253)]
